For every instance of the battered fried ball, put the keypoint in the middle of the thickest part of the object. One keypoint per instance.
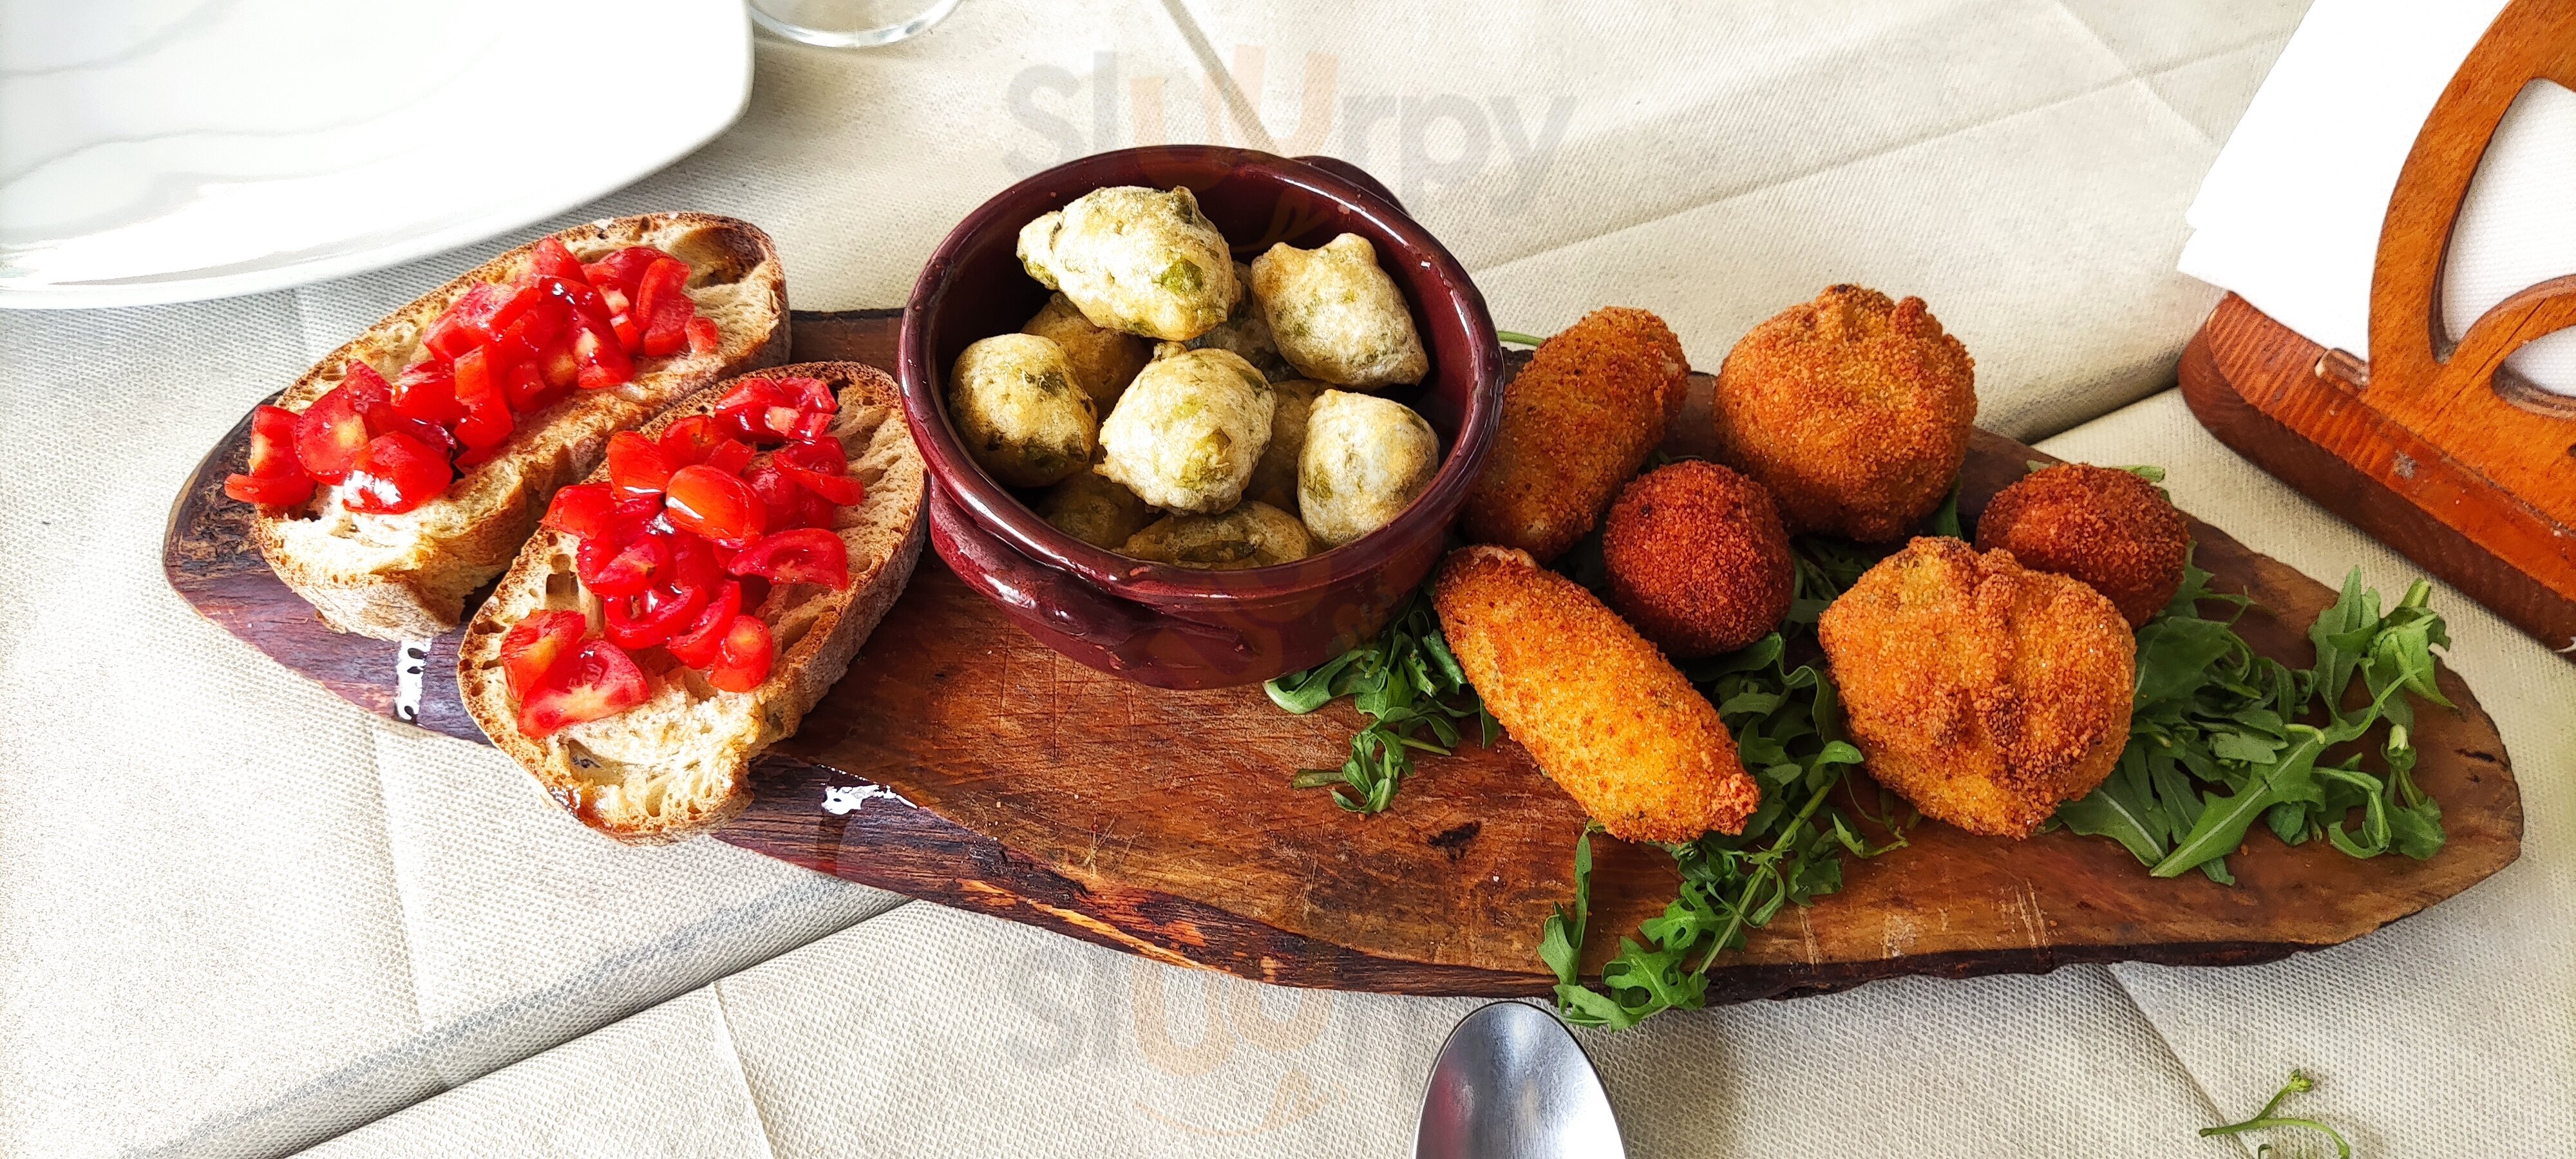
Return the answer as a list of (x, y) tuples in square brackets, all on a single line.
[(1186, 434), (1337, 316), (1854, 411), (1274, 477), (1366, 459), (1090, 507), (1605, 715), (1250, 535), (1577, 423), (1018, 411), (1141, 260), (2104, 526), (1697, 559), (1103, 361), (1247, 333), (1984, 692)]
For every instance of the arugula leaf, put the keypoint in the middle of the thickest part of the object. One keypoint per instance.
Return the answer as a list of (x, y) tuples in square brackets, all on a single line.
[(1407, 682), (2215, 747)]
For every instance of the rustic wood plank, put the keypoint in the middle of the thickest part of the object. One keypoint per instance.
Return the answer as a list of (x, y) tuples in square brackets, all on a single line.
[(1160, 823)]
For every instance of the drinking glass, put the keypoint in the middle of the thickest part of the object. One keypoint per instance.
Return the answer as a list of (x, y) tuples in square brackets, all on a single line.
[(849, 23)]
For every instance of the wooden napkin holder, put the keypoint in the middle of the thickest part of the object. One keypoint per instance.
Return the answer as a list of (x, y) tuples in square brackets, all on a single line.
[(2432, 446)]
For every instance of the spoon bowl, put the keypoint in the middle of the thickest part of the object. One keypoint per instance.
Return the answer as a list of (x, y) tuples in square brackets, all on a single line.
[(1511, 1083)]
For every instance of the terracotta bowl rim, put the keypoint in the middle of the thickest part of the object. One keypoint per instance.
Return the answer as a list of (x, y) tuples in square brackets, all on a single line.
[(1020, 526)]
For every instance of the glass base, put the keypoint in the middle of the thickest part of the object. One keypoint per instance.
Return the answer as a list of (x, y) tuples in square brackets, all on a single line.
[(849, 23)]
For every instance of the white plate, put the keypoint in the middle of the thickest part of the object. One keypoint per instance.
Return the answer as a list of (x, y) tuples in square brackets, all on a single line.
[(172, 150)]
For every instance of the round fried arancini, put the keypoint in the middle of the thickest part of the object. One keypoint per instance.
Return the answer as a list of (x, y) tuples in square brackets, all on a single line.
[(1853, 409), (1607, 718), (1697, 559), (2104, 526), (1983, 692), (1587, 411)]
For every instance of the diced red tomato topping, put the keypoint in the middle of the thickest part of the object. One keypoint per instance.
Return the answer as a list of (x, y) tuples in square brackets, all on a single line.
[(599, 680), (487, 418), (805, 555), (689, 439), (283, 491), (663, 307), (582, 510), (637, 465), (272, 444), (394, 474), (744, 656), (329, 435), (696, 645), (613, 568), (534, 646), (501, 350), (820, 467), (731, 456), (711, 503)]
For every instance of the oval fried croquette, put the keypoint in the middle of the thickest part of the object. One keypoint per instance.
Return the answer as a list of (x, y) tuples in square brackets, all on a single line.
[(1853, 409), (1606, 716), (1577, 422), (2104, 526), (1697, 559), (1983, 692)]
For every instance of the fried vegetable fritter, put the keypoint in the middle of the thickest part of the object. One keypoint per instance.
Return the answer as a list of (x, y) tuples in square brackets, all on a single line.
[(1983, 692), (1853, 409), (2104, 526), (1697, 559), (1604, 715), (1577, 423), (1250, 535)]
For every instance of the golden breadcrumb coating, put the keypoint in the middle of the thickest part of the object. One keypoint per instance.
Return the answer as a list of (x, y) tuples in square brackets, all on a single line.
[(2104, 526), (1577, 422), (1611, 721), (1854, 410), (1697, 559), (1984, 692)]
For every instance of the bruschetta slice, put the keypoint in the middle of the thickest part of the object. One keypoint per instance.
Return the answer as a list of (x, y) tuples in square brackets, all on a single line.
[(394, 567), (685, 606)]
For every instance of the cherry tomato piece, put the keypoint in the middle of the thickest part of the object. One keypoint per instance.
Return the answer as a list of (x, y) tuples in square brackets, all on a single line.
[(617, 568), (487, 408), (552, 260), (663, 307), (822, 468), (688, 440), (599, 680), (329, 435), (536, 645), (731, 456), (703, 336), (806, 555), (743, 656), (582, 510), (780, 498), (394, 474), (273, 491), (654, 616), (696, 644), (623, 269), (709, 502), (637, 465), (272, 444), (464, 325), (525, 387), (427, 391)]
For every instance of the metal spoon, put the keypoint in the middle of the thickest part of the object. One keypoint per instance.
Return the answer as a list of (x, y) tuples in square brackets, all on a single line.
[(1511, 1083)]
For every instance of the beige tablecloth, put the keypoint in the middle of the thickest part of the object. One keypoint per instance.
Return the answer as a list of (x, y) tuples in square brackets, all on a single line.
[(238, 916)]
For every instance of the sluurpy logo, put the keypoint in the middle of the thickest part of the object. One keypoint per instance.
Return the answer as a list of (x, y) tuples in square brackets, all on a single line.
[(1429, 146)]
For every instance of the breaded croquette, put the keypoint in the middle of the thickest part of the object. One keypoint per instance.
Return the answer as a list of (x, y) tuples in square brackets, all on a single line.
[(1577, 423), (1697, 559), (1610, 720), (1981, 691), (1854, 411), (2102, 525)]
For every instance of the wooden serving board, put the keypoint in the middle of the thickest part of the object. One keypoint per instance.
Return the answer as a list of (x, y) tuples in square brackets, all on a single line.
[(964, 763)]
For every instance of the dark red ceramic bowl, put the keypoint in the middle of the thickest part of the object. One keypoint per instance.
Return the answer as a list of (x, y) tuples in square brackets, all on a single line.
[(1174, 627)]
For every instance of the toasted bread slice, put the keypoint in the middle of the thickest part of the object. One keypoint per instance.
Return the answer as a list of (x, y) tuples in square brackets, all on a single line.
[(678, 764), (405, 577)]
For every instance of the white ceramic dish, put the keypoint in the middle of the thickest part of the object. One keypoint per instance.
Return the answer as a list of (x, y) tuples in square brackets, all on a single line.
[(172, 150)]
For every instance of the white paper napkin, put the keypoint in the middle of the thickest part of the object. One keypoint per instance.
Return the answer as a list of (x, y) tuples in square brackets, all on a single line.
[(2289, 215)]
